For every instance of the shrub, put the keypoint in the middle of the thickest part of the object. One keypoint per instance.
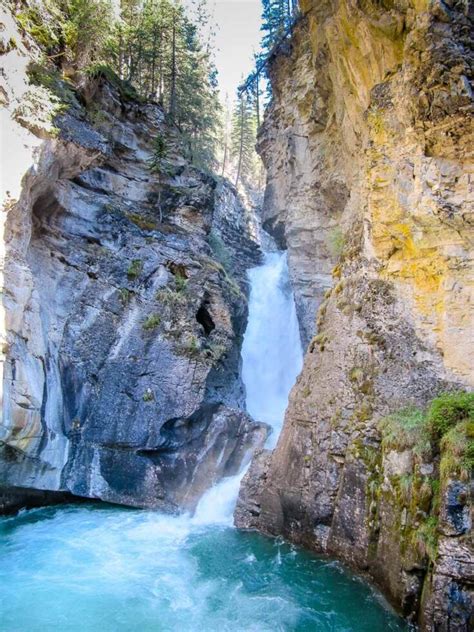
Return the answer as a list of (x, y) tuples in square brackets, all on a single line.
[(180, 282), (151, 322), (449, 409), (135, 269), (124, 295)]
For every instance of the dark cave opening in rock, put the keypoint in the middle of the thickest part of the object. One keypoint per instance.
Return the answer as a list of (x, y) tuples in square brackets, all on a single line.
[(205, 319)]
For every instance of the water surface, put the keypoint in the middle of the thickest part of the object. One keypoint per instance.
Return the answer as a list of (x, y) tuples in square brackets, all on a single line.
[(105, 569)]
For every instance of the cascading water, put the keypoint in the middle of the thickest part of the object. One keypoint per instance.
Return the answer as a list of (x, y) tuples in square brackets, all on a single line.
[(271, 354), (95, 568)]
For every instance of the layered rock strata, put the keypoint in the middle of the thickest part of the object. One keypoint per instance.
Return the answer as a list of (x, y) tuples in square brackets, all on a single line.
[(368, 146)]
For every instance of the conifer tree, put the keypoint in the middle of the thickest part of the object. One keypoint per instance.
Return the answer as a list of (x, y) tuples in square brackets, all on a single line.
[(243, 138)]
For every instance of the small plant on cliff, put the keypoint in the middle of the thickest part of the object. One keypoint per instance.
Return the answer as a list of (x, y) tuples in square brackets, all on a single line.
[(219, 250), (135, 269), (142, 222), (159, 154), (104, 71), (457, 451), (192, 346), (405, 429), (151, 322), (170, 298), (180, 282), (449, 409), (426, 537), (124, 295), (148, 395)]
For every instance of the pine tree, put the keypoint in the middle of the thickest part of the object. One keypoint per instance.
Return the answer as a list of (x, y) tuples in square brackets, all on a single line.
[(243, 138), (276, 17)]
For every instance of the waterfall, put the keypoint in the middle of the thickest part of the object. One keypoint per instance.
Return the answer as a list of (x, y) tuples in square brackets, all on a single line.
[(272, 354), (271, 360)]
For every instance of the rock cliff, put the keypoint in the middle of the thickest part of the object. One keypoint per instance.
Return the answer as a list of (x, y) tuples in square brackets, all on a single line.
[(124, 297), (368, 147)]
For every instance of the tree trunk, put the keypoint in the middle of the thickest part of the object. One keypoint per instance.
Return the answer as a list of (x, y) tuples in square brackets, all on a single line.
[(241, 140), (172, 108)]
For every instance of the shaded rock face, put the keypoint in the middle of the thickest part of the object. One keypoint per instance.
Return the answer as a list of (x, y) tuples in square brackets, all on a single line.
[(368, 147), (125, 303)]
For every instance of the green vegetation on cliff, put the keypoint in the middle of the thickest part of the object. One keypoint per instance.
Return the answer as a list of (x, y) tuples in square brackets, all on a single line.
[(150, 50), (441, 442)]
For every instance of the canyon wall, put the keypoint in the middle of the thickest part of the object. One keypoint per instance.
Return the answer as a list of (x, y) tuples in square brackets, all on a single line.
[(368, 145), (124, 297)]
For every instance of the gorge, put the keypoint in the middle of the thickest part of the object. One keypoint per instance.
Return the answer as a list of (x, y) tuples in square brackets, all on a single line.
[(302, 367), (97, 568)]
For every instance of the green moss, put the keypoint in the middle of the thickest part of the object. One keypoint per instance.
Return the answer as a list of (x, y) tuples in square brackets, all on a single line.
[(220, 250), (407, 429), (103, 71), (49, 77), (425, 537), (152, 322), (446, 428), (457, 452), (142, 222), (148, 395), (405, 484), (449, 409), (135, 269), (31, 21)]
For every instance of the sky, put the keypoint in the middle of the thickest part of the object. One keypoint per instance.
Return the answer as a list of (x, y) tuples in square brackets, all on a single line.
[(237, 38)]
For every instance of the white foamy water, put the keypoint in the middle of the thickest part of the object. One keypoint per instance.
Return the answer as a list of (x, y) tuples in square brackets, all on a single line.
[(272, 357), (271, 353)]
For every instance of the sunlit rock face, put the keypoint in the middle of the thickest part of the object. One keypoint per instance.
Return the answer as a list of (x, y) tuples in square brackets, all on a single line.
[(368, 146), (125, 305)]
